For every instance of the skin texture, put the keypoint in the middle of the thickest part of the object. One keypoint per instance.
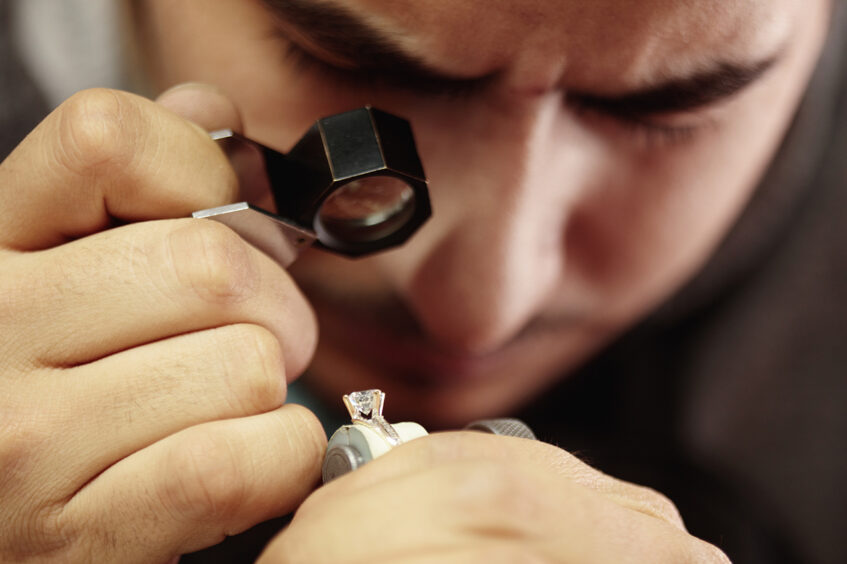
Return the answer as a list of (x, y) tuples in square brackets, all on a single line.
[(553, 230), (488, 499), (145, 365), (146, 356)]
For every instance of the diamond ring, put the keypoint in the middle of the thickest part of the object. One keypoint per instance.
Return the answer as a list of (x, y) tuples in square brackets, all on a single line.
[(365, 408)]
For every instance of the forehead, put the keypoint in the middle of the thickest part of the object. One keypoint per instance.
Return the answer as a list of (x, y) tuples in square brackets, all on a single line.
[(634, 40)]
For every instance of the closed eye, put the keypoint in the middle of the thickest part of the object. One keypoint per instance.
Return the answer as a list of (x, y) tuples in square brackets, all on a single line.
[(356, 77)]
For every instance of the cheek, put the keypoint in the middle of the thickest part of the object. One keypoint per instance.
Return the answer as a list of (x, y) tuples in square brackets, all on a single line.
[(658, 218), (636, 240)]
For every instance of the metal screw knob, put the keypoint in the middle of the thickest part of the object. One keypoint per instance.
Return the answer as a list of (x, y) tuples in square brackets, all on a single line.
[(340, 460), (503, 426)]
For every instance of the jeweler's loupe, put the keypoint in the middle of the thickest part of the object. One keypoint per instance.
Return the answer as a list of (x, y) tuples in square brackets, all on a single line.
[(353, 185)]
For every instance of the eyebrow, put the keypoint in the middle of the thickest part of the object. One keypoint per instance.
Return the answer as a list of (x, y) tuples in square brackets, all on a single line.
[(368, 53), (362, 50), (679, 94)]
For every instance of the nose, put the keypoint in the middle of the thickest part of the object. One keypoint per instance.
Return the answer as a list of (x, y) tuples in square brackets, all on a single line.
[(493, 255)]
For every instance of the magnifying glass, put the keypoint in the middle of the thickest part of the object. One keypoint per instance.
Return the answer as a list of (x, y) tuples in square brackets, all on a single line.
[(353, 185)]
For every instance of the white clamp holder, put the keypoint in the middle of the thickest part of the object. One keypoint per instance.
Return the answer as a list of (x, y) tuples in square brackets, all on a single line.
[(370, 435)]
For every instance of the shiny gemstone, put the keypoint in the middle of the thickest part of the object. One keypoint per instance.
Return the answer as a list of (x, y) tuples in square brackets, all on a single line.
[(364, 402)]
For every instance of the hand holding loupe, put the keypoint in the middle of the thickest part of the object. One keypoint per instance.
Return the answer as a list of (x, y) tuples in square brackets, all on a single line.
[(353, 185)]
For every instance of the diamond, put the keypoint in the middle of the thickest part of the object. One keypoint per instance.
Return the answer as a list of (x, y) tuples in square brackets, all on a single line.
[(365, 404)]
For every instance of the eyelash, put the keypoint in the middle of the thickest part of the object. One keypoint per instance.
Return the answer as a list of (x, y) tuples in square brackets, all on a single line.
[(647, 131), (304, 61)]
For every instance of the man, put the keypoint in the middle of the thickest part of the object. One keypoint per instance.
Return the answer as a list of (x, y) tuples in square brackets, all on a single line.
[(585, 160)]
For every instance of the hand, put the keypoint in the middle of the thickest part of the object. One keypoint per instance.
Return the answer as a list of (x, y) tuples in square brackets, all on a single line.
[(472, 497), (144, 366)]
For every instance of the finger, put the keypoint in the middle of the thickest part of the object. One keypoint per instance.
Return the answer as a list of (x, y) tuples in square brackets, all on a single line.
[(493, 551), (203, 104), (208, 107), (106, 155), (439, 448), (104, 411), (151, 281), (458, 506), (193, 488), (443, 508)]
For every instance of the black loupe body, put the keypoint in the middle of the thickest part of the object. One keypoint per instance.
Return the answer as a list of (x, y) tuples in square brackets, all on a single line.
[(353, 184)]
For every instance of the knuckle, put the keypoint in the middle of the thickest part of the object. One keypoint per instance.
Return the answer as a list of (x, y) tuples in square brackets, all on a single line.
[(17, 446), (41, 536), (708, 553), (94, 131), (657, 504), (205, 481), (25, 435), (666, 543), (255, 369), (36, 527), (213, 262), (495, 499), (508, 553)]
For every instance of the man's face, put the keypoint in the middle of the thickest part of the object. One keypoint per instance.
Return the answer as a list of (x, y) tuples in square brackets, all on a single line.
[(584, 158)]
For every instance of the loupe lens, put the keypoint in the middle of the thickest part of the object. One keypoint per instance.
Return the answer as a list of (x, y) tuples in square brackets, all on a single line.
[(366, 209)]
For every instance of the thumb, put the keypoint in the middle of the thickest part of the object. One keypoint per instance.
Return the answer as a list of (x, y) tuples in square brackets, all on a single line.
[(204, 104), (210, 108)]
